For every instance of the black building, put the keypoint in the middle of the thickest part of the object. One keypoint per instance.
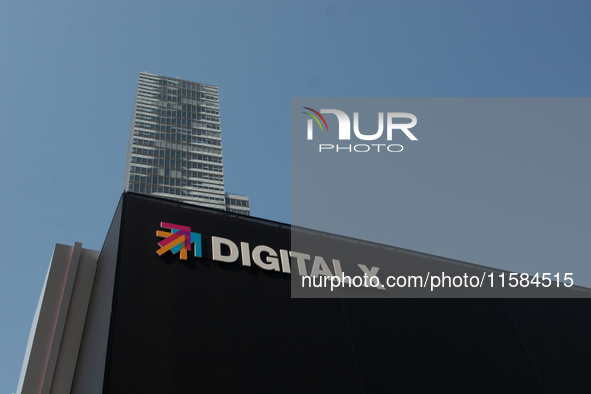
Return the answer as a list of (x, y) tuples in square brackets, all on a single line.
[(158, 323)]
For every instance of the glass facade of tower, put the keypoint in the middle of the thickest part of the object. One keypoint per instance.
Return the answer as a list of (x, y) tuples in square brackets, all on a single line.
[(237, 203), (174, 147)]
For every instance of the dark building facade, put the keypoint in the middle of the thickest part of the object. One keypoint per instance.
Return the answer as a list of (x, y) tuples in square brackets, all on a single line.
[(164, 320)]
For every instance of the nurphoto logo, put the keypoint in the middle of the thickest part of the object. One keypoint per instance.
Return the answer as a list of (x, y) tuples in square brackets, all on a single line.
[(345, 130)]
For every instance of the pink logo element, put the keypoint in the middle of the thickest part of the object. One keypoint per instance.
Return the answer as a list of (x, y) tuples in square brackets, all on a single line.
[(178, 240)]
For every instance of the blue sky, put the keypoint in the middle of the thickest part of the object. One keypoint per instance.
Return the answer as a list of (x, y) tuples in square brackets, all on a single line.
[(69, 71)]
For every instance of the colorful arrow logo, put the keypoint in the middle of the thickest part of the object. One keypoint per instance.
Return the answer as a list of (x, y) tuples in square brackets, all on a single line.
[(179, 239)]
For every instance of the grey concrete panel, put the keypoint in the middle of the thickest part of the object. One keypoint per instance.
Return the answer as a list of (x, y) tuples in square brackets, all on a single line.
[(90, 368)]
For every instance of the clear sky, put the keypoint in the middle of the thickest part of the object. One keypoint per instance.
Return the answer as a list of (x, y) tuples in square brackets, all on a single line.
[(69, 70)]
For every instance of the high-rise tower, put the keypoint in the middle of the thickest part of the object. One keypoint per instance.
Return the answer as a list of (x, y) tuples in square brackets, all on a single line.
[(174, 147)]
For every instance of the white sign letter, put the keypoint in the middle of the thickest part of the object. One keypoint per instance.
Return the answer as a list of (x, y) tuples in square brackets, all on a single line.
[(216, 247), (272, 261)]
